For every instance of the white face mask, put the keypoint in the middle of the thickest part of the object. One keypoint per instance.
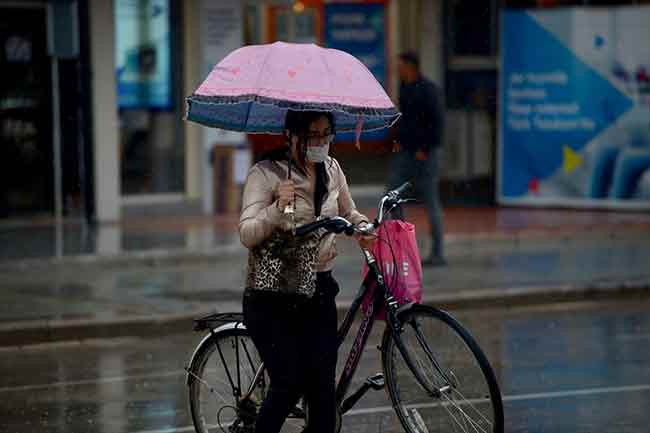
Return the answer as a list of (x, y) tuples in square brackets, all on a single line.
[(317, 153)]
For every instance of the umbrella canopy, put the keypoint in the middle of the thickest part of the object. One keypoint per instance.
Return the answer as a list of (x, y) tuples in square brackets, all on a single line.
[(252, 88)]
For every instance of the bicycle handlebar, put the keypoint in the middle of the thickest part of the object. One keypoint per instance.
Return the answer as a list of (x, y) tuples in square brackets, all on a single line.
[(333, 224), (397, 192), (341, 225), (393, 197)]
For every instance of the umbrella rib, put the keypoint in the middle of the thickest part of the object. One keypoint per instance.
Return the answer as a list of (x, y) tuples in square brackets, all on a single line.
[(248, 113), (257, 86), (329, 71)]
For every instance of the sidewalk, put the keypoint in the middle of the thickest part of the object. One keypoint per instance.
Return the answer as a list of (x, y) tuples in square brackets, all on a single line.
[(161, 239), (160, 272)]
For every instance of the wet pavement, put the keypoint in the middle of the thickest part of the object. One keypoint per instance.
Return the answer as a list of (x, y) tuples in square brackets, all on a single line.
[(491, 253), (99, 293), (571, 367)]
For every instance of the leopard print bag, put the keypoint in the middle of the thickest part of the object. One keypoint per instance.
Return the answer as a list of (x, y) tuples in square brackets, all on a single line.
[(284, 263)]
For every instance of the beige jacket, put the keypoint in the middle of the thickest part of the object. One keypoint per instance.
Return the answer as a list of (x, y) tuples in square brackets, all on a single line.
[(260, 215)]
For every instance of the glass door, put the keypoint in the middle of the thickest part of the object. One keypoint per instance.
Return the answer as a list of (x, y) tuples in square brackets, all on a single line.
[(26, 155)]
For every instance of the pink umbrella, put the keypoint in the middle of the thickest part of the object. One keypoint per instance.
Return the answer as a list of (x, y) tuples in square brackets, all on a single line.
[(253, 87)]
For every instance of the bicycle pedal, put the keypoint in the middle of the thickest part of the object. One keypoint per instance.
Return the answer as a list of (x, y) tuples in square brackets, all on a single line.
[(376, 382)]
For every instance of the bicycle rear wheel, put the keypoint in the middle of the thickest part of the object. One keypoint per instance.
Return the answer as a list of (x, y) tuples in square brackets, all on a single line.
[(222, 372), (447, 385)]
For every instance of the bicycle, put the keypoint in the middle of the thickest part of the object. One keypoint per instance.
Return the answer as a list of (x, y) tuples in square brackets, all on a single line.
[(440, 381)]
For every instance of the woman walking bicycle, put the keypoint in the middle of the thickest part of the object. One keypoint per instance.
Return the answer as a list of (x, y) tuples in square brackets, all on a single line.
[(249, 371), (435, 373), (294, 326)]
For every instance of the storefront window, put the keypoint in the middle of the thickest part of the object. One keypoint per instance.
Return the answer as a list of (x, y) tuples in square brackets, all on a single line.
[(296, 27), (473, 28), (252, 24), (151, 148)]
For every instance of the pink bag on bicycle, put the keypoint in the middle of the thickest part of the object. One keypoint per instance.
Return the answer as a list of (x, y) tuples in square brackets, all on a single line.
[(398, 258)]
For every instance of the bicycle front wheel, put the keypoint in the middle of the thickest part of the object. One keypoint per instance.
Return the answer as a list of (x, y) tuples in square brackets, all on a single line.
[(441, 381)]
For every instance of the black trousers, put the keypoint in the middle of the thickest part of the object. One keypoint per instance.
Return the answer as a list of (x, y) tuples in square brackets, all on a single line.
[(297, 341)]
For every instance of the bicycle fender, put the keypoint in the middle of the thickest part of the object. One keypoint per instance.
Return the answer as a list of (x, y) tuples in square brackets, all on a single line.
[(400, 310), (406, 307), (204, 341)]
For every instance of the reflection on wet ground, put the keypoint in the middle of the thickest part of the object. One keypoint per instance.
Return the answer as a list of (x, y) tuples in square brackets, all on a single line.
[(572, 367), (164, 231), (46, 240)]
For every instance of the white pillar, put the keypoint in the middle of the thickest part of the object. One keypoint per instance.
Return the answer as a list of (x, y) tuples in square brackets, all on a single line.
[(104, 111), (194, 153)]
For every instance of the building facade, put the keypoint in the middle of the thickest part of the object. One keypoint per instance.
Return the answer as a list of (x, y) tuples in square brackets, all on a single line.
[(92, 111)]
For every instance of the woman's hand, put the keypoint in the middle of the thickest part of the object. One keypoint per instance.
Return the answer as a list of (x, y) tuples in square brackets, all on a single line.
[(366, 241), (286, 192)]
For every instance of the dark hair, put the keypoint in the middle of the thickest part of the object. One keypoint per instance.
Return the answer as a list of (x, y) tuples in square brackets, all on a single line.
[(297, 123), (411, 58)]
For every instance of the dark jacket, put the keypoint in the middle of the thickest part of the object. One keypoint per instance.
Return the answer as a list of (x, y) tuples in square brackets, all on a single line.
[(422, 121)]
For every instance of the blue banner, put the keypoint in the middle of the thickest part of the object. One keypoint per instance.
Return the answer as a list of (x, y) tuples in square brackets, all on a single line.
[(574, 107), (359, 29)]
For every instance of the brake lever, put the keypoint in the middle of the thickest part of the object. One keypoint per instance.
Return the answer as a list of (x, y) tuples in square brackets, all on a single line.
[(367, 230), (341, 225)]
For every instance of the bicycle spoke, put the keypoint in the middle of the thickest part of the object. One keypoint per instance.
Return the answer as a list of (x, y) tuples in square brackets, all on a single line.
[(453, 417), (210, 388), (225, 366), (216, 379), (469, 402), (466, 417), (444, 405), (248, 356), (230, 360), (236, 345)]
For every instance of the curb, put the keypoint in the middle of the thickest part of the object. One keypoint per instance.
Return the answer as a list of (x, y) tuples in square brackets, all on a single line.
[(50, 331), (533, 295)]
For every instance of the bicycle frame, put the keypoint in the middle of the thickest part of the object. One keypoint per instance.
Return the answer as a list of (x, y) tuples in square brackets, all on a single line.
[(374, 278), (381, 296)]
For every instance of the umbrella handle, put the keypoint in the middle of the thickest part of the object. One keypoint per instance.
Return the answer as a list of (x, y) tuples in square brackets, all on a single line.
[(288, 209)]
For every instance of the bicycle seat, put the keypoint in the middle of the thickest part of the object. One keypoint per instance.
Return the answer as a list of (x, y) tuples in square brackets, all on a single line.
[(215, 320)]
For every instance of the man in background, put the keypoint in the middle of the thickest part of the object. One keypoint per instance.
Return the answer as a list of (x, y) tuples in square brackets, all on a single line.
[(415, 154)]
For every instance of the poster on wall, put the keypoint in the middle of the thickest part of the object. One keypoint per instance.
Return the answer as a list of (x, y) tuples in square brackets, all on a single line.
[(143, 54), (359, 29), (575, 107)]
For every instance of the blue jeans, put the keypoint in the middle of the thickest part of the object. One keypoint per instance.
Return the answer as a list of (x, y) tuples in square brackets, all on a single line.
[(426, 178)]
